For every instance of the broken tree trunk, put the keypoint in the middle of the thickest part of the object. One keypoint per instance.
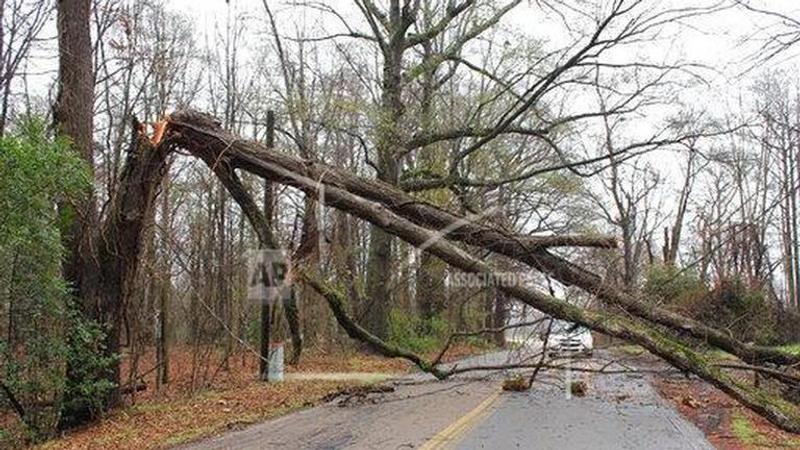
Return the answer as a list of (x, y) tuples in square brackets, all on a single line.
[(204, 135), (119, 243), (115, 252)]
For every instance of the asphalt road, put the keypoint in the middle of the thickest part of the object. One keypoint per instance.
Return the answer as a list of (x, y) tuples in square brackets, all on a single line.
[(620, 411)]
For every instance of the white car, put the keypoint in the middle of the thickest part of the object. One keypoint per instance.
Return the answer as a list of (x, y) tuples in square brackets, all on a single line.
[(568, 340)]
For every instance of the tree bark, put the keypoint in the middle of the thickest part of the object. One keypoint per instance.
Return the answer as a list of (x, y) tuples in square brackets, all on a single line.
[(430, 289), (162, 353), (388, 146), (120, 241), (72, 114)]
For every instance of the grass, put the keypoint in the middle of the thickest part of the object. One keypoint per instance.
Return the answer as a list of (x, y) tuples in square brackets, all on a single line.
[(744, 430), (748, 434), (794, 349)]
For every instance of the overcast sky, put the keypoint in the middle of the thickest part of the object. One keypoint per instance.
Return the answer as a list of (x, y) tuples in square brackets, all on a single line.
[(714, 39)]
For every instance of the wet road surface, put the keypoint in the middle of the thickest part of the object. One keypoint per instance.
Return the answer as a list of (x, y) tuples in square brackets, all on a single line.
[(619, 411)]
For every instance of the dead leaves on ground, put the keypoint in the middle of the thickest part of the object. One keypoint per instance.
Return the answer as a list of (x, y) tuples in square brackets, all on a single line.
[(715, 415), (151, 425)]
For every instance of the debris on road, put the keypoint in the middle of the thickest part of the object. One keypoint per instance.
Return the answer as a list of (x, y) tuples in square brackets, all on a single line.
[(578, 388), (358, 394), (690, 402), (516, 384)]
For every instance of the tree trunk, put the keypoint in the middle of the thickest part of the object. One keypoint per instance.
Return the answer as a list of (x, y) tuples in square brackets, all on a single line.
[(72, 114), (500, 317), (162, 354), (430, 292), (379, 263), (375, 309)]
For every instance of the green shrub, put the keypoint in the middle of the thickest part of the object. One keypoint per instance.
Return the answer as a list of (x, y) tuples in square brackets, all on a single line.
[(87, 385), (676, 288), (42, 333), (746, 312), (418, 335)]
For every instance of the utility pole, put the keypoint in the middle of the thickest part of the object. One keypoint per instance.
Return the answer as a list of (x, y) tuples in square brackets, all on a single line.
[(266, 316)]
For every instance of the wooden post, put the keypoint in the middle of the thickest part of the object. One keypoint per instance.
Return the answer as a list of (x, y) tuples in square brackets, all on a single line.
[(162, 356), (266, 321)]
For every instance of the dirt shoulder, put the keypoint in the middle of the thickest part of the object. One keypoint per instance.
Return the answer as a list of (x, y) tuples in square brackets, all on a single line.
[(160, 424), (205, 400), (726, 424)]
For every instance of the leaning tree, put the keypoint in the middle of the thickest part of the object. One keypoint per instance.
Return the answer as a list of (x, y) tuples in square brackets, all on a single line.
[(105, 254)]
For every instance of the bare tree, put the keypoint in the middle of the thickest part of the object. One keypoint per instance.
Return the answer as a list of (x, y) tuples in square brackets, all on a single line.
[(21, 24)]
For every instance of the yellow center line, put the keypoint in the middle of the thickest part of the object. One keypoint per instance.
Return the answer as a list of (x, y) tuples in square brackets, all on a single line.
[(457, 429)]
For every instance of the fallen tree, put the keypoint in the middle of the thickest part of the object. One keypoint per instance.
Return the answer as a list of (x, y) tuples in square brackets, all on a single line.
[(199, 131), (402, 216)]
